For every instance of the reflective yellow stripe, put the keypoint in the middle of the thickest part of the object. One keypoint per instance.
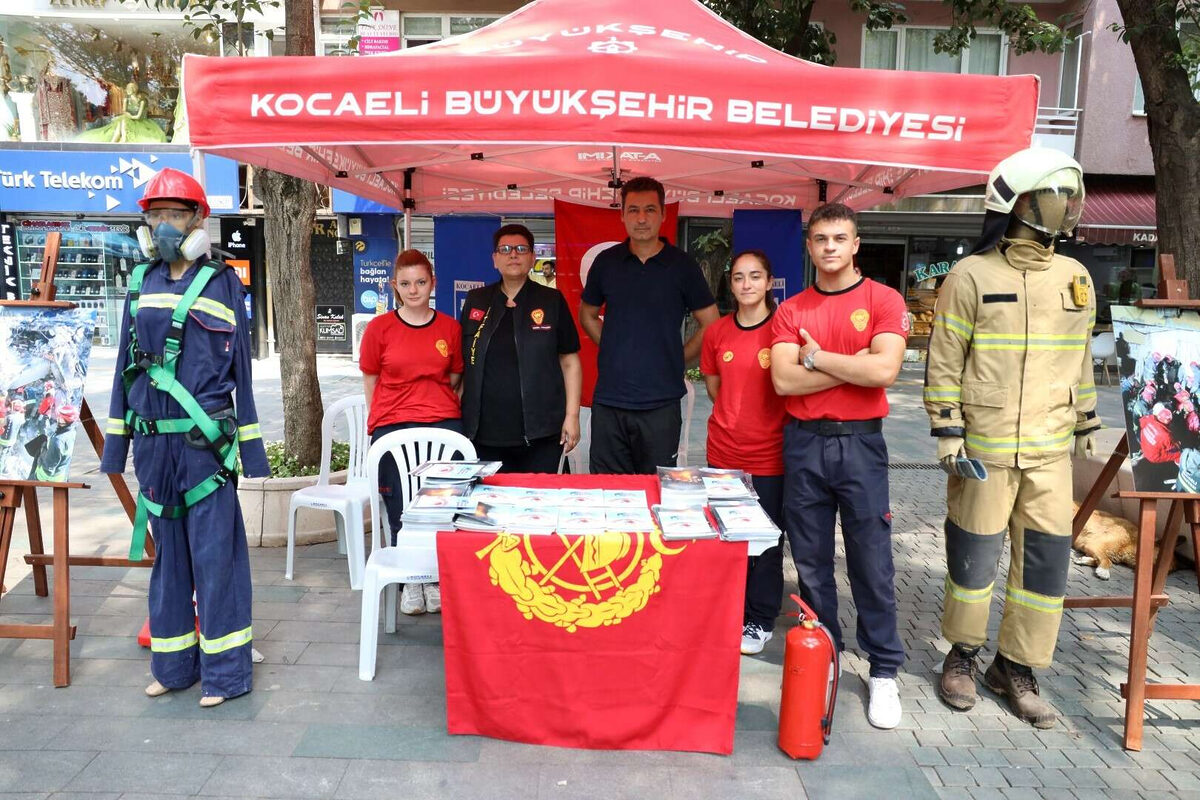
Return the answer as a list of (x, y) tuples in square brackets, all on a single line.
[(935, 393), (1038, 602), (235, 639), (1085, 390), (248, 432), (168, 300), (173, 644), (117, 427), (1007, 444), (954, 324), (969, 595)]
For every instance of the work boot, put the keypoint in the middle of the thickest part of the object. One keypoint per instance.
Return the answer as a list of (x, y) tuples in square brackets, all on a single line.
[(957, 686), (1016, 682)]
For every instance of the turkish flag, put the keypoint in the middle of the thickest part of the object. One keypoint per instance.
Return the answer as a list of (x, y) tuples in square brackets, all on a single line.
[(614, 641), (580, 234)]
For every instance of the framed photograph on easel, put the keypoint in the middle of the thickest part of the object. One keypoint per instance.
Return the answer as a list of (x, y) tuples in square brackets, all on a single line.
[(43, 364), (1158, 359)]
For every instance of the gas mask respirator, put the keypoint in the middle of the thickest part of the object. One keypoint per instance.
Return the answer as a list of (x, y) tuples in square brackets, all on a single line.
[(170, 244)]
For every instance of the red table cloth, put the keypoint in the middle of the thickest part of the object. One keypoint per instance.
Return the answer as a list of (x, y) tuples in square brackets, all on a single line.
[(618, 641)]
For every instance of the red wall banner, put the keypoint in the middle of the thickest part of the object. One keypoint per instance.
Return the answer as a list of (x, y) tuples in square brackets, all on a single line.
[(580, 234)]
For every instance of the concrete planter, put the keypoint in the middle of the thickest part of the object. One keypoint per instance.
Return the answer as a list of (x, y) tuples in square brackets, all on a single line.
[(265, 502)]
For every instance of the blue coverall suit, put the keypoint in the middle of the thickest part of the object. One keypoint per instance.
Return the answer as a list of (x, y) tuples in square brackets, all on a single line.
[(205, 549)]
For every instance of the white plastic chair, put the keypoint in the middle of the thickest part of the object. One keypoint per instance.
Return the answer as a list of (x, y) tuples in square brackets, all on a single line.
[(413, 559), (689, 407), (578, 458), (1104, 352), (345, 501)]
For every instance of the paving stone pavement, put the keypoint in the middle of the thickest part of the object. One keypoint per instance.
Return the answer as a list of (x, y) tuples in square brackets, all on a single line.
[(311, 729)]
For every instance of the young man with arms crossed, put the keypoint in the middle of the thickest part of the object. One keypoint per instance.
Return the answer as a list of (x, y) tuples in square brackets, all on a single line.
[(835, 347), (647, 287)]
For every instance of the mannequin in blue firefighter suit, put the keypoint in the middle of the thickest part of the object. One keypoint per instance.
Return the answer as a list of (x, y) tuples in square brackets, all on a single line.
[(185, 440)]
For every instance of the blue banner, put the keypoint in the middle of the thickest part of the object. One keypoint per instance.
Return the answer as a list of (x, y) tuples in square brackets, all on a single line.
[(346, 203), (374, 254), (463, 248), (779, 234), (101, 181)]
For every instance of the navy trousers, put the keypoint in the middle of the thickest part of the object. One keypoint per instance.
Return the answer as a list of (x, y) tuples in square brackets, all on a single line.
[(391, 482), (847, 474), (764, 573), (206, 550)]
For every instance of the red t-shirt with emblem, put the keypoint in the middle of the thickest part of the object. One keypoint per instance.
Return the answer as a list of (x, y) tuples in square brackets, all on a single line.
[(413, 364), (745, 430), (841, 322)]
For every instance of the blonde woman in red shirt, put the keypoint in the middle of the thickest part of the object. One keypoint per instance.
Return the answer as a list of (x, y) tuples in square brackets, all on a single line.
[(411, 360), (745, 430)]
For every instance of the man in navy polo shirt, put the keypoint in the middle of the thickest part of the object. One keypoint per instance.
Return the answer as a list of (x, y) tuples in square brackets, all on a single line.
[(647, 287)]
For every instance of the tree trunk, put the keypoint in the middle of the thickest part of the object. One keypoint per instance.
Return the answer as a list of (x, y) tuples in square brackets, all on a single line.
[(290, 206), (289, 209), (1173, 121)]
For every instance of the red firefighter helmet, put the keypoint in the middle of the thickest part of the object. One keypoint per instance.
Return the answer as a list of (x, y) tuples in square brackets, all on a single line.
[(171, 184), (67, 414), (48, 387)]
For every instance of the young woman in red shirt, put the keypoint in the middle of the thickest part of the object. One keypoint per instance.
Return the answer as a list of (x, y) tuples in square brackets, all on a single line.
[(411, 360), (745, 430)]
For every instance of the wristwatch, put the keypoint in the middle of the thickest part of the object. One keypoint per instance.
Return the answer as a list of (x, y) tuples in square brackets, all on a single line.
[(810, 362)]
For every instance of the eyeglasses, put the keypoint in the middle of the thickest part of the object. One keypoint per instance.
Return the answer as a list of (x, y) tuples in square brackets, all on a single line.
[(522, 249), (175, 216)]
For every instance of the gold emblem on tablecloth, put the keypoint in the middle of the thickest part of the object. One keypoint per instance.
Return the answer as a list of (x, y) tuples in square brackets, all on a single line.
[(596, 581)]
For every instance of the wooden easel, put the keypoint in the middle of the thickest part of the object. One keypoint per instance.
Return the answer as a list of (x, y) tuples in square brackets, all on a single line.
[(13, 493), (1150, 574)]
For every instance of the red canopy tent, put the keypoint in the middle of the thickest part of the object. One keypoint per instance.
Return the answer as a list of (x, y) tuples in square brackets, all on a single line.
[(564, 98)]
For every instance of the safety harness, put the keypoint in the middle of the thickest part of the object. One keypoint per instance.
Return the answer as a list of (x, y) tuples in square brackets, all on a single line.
[(161, 371)]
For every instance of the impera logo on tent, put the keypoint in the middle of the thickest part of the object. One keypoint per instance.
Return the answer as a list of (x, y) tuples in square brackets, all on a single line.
[(612, 45), (637, 156)]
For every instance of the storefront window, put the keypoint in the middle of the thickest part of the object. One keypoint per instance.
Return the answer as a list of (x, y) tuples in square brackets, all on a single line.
[(95, 259), (94, 80)]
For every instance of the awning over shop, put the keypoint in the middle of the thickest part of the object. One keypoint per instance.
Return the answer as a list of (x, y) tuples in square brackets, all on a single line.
[(1119, 211)]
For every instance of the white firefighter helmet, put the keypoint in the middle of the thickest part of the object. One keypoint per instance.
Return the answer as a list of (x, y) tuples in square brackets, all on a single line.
[(1041, 187)]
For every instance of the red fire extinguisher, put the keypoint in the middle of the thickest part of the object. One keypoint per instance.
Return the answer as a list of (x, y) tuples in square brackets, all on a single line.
[(810, 681)]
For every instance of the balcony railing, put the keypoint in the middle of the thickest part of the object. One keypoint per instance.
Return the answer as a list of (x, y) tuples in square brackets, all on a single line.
[(1056, 128)]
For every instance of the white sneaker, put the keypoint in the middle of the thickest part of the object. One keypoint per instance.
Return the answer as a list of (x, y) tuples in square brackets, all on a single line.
[(412, 599), (754, 638), (883, 710), (433, 597)]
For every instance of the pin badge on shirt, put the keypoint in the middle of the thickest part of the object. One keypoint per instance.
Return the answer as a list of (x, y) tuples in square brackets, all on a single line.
[(442, 348), (727, 356)]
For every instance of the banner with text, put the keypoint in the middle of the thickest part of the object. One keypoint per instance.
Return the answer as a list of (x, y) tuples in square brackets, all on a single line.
[(463, 246)]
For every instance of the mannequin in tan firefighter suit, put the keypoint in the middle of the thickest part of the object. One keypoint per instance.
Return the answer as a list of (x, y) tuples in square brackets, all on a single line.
[(1010, 393)]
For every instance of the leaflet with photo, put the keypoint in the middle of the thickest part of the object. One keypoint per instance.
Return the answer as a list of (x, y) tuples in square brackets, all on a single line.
[(726, 484), (574, 498), (532, 520), (456, 470), (684, 523), (441, 497), (629, 520), (502, 495), (632, 499), (482, 517), (581, 520)]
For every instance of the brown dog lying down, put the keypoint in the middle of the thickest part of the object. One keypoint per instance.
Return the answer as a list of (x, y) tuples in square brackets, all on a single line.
[(1106, 540)]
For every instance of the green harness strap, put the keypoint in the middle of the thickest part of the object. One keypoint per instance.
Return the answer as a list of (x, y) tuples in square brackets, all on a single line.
[(160, 369)]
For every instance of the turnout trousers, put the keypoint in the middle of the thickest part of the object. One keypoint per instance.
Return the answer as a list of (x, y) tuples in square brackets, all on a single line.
[(204, 550), (1034, 506)]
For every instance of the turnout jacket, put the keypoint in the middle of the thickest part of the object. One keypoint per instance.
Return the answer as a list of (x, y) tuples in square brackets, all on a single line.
[(536, 320), (1010, 365), (214, 362)]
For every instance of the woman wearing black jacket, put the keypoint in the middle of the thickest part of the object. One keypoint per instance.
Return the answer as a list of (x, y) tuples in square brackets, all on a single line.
[(522, 377)]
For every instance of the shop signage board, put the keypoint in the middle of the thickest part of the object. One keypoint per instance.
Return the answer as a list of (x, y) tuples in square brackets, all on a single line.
[(101, 181), (380, 33), (923, 272), (8, 263), (331, 323)]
